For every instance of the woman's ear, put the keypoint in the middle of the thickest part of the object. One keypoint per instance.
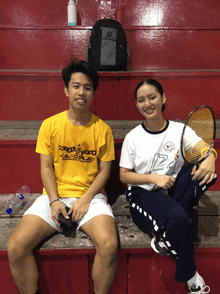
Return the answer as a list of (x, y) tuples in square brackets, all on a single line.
[(164, 98)]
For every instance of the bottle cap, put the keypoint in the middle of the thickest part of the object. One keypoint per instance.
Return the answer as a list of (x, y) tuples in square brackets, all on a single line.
[(20, 196), (9, 211)]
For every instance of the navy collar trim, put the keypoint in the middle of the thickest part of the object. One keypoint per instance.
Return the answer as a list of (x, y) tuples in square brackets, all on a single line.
[(155, 133)]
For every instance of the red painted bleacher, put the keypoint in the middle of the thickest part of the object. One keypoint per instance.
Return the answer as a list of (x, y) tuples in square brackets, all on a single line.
[(168, 42), (20, 164), (139, 271)]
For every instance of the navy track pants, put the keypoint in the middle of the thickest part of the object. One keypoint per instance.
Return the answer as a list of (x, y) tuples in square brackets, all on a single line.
[(169, 217)]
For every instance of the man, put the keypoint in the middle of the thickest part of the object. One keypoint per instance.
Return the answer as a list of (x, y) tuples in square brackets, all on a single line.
[(76, 149)]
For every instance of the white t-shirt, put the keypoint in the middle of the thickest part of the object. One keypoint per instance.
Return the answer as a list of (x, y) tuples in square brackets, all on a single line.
[(148, 152)]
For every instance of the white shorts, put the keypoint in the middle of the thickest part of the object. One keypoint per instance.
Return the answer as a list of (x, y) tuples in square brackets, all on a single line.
[(41, 207)]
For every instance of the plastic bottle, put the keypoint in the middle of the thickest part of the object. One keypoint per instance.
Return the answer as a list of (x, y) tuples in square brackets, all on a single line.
[(18, 198), (71, 12)]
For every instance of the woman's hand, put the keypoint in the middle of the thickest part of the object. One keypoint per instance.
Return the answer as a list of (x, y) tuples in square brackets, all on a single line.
[(206, 170), (164, 181)]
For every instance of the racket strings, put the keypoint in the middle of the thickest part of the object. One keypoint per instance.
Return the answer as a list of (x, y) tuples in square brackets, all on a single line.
[(202, 123)]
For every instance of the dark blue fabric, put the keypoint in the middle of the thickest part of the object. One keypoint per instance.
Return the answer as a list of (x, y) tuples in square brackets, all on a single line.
[(169, 217)]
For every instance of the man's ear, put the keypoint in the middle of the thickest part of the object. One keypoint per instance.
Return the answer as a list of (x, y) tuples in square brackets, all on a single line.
[(66, 91)]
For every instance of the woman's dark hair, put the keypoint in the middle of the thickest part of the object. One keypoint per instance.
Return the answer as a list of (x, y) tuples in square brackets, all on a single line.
[(154, 83), (83, 67)]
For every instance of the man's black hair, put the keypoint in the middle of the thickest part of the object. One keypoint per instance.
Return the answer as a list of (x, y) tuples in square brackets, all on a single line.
[(83, 67)]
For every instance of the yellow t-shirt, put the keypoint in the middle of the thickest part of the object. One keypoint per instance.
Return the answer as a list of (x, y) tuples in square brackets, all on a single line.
[(76, 151)]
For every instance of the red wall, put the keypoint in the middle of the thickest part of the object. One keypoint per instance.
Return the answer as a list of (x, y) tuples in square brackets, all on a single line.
[(38, 97), (162, 34), (20, 165), (175, 41), (162, 13), (135, 266)]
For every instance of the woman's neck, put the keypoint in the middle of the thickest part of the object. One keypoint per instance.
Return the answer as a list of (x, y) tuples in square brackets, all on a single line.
[(155, 126)]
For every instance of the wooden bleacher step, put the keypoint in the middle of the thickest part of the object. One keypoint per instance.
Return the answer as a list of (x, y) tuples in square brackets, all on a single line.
[(28, 130), (130, 235)]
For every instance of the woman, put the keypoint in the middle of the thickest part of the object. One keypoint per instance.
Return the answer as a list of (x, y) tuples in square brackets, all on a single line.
[(161, 189)]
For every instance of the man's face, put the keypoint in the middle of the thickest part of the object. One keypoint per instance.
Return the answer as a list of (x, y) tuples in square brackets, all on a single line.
[(80, 91)]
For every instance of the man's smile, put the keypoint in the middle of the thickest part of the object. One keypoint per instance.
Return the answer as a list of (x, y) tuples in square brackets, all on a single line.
[(80, 100)]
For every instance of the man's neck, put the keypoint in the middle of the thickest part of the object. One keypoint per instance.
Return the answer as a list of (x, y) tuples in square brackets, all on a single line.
[(79, 118)]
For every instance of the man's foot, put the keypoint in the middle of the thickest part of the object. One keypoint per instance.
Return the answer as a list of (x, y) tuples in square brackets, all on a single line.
[(159, 246), (199, 286)]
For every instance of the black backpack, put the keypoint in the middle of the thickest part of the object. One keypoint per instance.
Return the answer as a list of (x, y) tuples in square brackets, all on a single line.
[(107, 48)]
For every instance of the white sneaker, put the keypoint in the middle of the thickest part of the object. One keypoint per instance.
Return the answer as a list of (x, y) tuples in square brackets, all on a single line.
[(159, 246), (202, 289)]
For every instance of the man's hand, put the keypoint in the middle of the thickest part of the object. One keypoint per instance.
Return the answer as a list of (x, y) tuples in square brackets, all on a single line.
[(79, 209), (58, 207)]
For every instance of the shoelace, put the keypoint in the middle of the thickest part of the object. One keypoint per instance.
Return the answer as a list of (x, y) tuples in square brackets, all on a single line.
[(204, 290)]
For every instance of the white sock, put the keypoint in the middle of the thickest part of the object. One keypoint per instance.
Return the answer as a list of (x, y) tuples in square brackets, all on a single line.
[(196, 280)]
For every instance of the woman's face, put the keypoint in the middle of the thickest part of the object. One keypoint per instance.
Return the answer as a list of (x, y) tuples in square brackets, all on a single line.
[(149, 101)]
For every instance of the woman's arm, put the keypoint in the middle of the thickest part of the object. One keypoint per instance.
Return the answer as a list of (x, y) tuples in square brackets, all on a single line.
[(128, 176), (206, 169)]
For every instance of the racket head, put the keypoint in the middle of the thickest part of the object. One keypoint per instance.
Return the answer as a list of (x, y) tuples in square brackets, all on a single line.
[(202, 121)]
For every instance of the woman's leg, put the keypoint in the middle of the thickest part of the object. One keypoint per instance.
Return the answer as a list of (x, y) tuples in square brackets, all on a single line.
[(188, 194), (164, 216), (186, 191)]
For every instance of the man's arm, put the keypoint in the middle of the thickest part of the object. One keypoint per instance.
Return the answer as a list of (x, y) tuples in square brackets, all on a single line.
[(48, 176), (81, 206), (49, 182)]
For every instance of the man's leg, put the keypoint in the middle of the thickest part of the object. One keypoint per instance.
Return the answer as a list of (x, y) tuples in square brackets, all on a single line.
[(102, 231), (30, 231)]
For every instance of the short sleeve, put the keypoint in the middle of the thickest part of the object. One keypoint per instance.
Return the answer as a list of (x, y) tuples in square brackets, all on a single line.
[(44, 140), (127, 155), (107, 150)]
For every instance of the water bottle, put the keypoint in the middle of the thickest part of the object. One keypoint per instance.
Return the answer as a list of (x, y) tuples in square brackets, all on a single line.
[(18, 198), (71, 12)]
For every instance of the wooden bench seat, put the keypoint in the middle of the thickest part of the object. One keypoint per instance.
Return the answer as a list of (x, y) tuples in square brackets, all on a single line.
[(130, 236)]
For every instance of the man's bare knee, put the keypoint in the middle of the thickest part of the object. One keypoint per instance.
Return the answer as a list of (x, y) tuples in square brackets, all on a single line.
[(30, 231), (15, 251), (108, 248)]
